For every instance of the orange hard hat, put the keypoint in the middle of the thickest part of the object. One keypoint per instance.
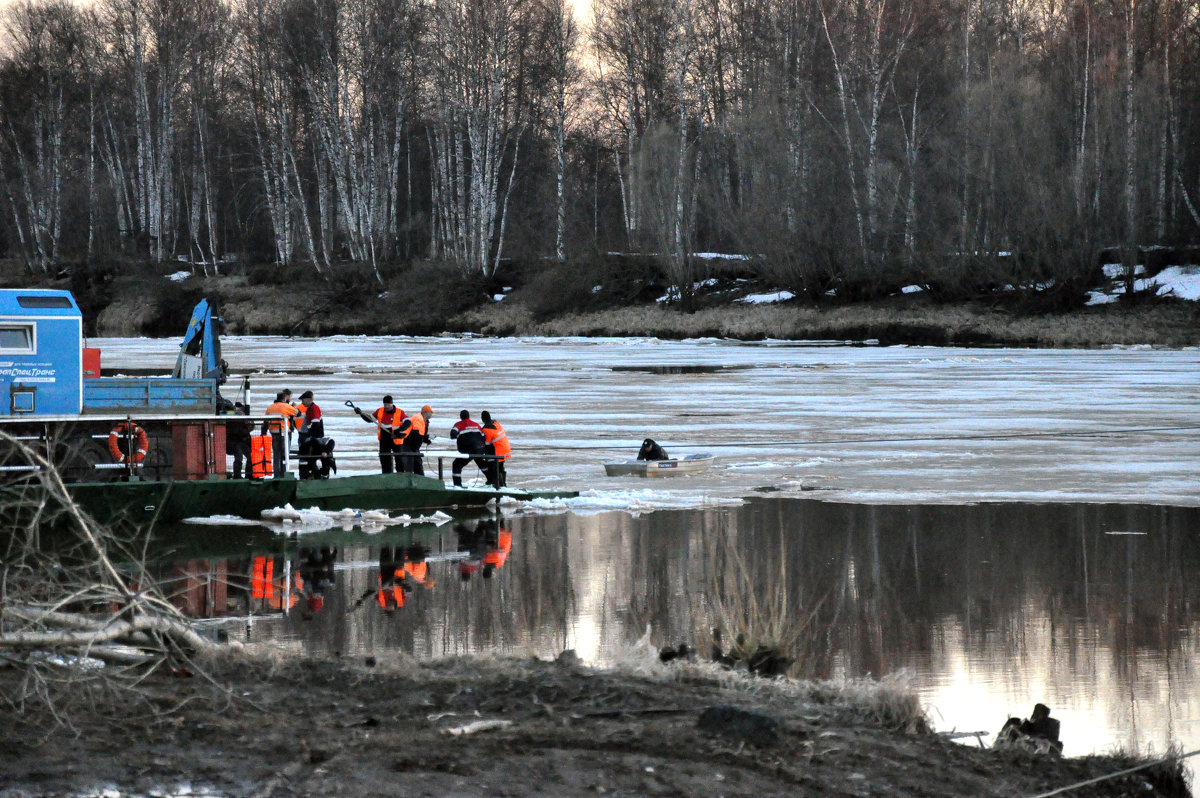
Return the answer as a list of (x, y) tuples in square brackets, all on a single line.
[(427, 409)]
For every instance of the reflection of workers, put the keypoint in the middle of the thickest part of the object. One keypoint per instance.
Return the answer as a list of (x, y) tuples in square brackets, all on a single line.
[(393, 584), (388, 418), (316, 574), (283, 408), (468, 436), (497, 552), (237, 441), (416, 434), (498, 446), (486, 546)]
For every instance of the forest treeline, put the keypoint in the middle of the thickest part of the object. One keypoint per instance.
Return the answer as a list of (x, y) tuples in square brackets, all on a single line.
[(846, 145)]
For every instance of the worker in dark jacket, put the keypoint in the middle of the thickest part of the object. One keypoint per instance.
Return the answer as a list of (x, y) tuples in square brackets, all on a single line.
[(468, 437), (652, 451), (316, 451), (237, 441)]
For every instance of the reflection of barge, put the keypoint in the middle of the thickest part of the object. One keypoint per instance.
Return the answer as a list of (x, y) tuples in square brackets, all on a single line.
[(154, 448)]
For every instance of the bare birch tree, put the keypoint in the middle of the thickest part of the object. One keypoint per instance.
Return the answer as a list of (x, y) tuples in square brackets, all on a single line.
[(565, 79), (477, 111), (865, 45), (47, 62)]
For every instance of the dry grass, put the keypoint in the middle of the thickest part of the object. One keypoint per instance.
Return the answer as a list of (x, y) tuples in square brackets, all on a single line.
[(1171, 323), (433, 301)]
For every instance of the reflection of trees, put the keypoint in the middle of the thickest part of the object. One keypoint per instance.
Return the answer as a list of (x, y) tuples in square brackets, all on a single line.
[(521, 603), (1032, 586)]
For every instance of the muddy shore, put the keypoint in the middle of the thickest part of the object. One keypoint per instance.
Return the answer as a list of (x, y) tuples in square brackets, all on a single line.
[(467, 727)]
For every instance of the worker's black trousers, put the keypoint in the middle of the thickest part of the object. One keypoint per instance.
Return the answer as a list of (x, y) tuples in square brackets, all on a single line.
[(460, 462), (410, 461), (389, 451)]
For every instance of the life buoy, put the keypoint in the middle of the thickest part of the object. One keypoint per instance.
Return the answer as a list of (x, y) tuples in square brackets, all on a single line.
[(128, 431)]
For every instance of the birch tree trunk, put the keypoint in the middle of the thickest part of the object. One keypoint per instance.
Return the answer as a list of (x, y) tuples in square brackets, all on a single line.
[(477, 50), (1129, 253)]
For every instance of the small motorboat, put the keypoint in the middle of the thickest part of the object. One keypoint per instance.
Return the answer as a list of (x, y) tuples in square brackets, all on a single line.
[(692, 464)]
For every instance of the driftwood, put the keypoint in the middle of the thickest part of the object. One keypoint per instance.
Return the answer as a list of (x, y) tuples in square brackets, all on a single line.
[(86, 633), (66, 608)]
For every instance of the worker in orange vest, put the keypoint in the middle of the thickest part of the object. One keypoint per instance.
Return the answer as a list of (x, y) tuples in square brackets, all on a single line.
[(415, 433), (389, 419), (287, 412), (497, 445)]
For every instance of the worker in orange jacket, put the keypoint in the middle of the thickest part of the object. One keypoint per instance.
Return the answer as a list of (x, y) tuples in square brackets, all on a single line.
[(498, 446), (415, 433), (279, 442)]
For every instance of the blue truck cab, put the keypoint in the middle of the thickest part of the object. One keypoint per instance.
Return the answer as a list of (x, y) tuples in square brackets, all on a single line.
[(42, 365), (41, 353)]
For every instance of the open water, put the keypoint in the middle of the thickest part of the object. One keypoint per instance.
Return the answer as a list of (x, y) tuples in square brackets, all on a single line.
[(997, 526)]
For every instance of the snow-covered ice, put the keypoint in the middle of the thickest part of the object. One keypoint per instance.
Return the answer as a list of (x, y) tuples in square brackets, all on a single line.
[(845, 423)]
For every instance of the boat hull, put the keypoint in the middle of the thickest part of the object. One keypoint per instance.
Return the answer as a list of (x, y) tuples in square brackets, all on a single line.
[(164, 501), (167, 501), (660, 468), (387, 492)]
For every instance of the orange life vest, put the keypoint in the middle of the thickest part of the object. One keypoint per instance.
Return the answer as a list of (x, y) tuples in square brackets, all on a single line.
[(280, 409), (415, 430), (495, 437), (392, 420), (261, 461), (504, 545)]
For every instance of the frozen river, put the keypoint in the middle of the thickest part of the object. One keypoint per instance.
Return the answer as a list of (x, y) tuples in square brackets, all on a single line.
[(1000, 526), (851, 423)]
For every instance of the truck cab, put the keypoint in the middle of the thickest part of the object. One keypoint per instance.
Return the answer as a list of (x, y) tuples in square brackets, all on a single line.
[(41, 353), (97, 428)]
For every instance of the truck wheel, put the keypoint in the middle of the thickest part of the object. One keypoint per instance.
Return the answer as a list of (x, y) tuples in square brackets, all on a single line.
[(81, 458)]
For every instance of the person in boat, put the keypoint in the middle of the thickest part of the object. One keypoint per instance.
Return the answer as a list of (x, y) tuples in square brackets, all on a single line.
[(415, 433), (652, 451), (388, 419), (309, 413), (283, 408), (468, 437), (498, 446), (237, 441)]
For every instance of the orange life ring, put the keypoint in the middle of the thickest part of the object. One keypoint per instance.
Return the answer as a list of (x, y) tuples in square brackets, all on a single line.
[(123, 431)]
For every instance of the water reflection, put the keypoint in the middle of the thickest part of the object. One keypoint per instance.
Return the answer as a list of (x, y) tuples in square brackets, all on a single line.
[(1090, 609)]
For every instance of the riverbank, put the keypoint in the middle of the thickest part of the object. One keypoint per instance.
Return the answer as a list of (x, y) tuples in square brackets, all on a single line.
[(296, 727), (889, 322), (434, 304)]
